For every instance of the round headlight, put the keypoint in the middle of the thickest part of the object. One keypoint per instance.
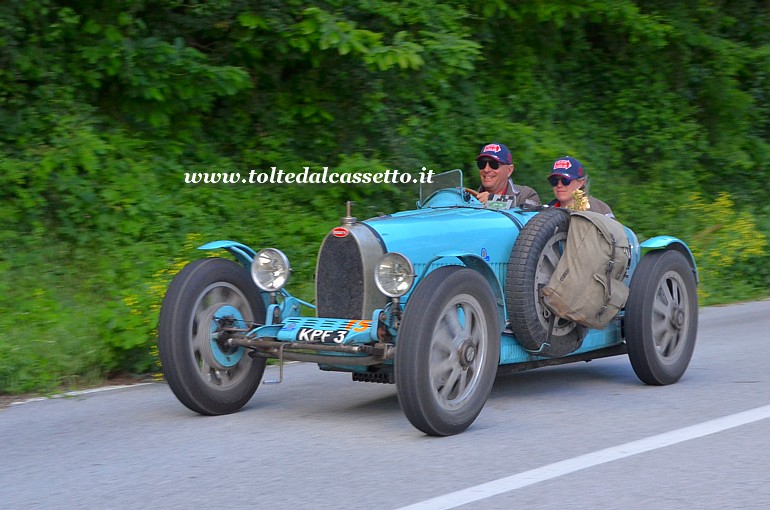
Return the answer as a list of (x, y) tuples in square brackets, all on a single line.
[(394, 274), (270, 269)]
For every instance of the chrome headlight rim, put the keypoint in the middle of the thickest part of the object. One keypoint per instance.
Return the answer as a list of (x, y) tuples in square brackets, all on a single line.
[(270, 269), (394, 274)]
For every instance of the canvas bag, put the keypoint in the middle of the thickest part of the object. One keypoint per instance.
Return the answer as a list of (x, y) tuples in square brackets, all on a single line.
[(587, 286)]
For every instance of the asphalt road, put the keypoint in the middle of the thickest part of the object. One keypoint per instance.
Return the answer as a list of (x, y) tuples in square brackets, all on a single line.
[(582, 436)]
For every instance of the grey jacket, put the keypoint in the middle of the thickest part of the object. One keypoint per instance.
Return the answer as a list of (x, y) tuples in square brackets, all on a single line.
[(523, 195)]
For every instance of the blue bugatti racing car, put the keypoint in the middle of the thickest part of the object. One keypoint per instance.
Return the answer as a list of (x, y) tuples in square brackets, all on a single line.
[(437, 300)]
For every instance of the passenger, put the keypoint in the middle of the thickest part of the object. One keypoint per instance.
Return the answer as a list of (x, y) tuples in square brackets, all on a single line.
[(496, 167), (566, 177)]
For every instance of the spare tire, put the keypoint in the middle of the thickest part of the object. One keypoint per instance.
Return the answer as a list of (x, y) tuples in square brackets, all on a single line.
[(533, 261)]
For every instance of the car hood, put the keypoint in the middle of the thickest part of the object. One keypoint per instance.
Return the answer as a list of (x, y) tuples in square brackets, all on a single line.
[(423, 234)]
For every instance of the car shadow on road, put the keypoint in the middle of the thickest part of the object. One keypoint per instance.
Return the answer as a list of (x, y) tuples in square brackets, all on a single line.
[(542, 381)]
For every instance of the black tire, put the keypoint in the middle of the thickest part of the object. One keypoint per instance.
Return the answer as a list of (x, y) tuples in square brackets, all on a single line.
[(447, 352), (661, 317), (209, 377), (533, 261)]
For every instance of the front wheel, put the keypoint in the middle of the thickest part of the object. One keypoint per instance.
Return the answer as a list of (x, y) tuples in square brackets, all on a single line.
[(205, 373), (448, 350), (661, 318)]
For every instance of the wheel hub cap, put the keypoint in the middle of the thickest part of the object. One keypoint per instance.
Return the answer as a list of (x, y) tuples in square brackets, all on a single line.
[(467, 353)]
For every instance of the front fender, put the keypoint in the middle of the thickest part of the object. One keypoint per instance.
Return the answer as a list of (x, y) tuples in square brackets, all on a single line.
[(473, 261), (671, 243), (243, 253), (289, 305)]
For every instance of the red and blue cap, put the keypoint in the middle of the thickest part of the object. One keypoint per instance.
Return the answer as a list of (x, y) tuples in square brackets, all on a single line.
[(568, 167), (498, 152)]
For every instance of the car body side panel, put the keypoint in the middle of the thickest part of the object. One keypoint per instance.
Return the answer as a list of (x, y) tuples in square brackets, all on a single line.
[(512, 352)]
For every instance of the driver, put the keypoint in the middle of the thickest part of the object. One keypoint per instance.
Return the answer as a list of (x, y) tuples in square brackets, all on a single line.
[(496, 167)]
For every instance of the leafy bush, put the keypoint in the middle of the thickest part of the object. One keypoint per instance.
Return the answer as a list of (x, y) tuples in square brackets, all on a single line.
[(728, 247)]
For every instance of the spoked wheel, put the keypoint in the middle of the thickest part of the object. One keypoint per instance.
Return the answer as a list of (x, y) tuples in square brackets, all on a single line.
[(533, 261), (661, 318), (205, 373), (448, 350)]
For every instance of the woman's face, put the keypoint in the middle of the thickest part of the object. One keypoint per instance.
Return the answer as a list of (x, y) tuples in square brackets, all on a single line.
[(563, 192)]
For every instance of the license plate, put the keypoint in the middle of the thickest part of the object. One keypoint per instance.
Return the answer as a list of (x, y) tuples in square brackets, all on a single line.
[(320, 335)]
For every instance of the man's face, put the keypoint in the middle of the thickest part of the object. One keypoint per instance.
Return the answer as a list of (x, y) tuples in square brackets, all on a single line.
[(495, 181)]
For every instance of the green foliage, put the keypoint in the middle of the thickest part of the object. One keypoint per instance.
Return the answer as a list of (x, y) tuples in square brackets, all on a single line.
[(105, 106), (729, 248)]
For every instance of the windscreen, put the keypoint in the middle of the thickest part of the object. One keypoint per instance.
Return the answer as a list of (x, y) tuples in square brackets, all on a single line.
[(450, 179)]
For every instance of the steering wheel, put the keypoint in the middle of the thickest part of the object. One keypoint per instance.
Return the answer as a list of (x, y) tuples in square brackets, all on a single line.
[(472, 192)]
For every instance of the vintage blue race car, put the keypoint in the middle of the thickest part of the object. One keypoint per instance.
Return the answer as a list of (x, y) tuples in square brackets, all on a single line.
[(438, 300)]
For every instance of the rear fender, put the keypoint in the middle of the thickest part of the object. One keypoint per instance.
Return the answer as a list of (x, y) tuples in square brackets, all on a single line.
[(671, 243), (471, 261)]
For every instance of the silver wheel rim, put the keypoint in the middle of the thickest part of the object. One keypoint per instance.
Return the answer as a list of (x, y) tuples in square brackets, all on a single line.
[(214, 298), (459, 350), (670, 317)]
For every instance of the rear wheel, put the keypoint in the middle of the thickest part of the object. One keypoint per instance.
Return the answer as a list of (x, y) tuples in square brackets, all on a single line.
[(448, 350), (204, 372), (661, 317)]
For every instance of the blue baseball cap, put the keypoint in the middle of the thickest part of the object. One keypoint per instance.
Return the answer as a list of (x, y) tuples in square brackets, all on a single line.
[(568, 167), (498, 152)]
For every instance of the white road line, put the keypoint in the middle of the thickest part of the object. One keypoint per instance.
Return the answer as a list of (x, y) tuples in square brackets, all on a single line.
[(78, 393), (517, 481)]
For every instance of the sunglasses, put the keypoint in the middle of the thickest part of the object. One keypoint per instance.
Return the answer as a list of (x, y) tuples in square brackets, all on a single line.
[(493, 163), (554, 180)]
